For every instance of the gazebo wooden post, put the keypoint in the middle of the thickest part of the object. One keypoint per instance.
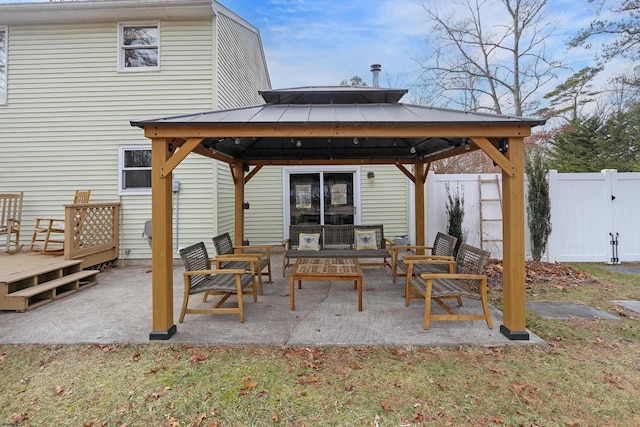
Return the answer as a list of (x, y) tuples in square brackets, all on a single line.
[(161, 245), (513, 224), (238, 180), (420, 179)]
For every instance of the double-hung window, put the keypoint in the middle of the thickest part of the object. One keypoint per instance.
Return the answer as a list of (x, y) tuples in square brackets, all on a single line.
[(3, 65), (139, 46), (135, 170)]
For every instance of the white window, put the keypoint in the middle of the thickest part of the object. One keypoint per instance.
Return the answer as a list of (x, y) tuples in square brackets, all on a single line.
[(139, 46), (135, 170), (3, 65)]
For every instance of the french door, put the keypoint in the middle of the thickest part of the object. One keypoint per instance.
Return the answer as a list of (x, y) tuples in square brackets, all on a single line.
[(321, 196)]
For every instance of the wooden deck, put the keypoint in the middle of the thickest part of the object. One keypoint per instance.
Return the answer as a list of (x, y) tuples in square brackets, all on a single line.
[(28, 280)]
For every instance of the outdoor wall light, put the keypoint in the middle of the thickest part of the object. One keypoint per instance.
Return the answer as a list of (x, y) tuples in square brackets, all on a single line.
[(503, 145), (237, 141), (371, 176), (467, 147), (356, 141), (412, 150), (298, 143)]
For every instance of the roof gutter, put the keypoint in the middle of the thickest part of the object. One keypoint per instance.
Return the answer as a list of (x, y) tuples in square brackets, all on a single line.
[(102, 11)]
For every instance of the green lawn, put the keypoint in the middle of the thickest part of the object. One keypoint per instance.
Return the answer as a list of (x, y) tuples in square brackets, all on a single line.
[(587, 375)]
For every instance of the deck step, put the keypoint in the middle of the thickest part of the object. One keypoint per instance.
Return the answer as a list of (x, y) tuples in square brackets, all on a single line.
[(25, 290), (57, 283)]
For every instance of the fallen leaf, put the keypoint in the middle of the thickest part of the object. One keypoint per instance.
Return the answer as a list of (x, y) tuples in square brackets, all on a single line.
[(158, 395), (386, 406), (60, 391), (197, 357), (19, 418), (201, 418)]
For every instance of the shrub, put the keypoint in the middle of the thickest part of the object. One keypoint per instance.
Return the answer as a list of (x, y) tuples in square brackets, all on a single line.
[(538, 202), (455, 216)]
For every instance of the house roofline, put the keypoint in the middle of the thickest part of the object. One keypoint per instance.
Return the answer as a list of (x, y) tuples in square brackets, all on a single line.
[(102, 11)]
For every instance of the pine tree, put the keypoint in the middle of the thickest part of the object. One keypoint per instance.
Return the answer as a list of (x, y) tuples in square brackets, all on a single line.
[(580, 148)]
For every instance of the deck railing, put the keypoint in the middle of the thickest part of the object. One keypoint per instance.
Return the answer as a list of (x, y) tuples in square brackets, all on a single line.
[(91, 232)]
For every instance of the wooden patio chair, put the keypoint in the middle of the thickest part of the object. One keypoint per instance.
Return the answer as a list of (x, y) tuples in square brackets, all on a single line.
[(469, 281), (227, 252), (10, 215), (442, 249), (199, 277), (52, 228)]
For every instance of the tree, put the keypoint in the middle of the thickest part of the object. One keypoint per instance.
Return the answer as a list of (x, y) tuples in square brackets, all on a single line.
[(578, 148), (624, 29), (568, 97), (474, 60), (538, 202), (595, 143), (354, 81)]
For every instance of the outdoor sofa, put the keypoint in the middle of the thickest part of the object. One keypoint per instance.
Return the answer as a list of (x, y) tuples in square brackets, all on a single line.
[(336, 241)]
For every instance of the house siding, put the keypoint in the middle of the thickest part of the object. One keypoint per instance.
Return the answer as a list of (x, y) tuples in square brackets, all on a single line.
[(264, 220), (69, 108), (385, 200), (239, 59)]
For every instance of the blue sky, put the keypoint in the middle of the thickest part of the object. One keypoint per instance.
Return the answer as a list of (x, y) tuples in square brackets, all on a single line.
[(322, 42)]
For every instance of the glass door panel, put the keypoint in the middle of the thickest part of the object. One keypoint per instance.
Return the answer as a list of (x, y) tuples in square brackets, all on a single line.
[(338, 198), (304, 198)]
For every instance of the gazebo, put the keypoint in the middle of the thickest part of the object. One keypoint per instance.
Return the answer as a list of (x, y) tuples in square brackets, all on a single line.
[(341, 125)]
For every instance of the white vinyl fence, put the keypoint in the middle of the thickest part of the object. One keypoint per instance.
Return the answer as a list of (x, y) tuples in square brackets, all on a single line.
[(588, 212)]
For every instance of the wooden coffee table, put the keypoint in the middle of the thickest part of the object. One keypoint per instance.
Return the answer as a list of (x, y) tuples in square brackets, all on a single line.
[(326, 269)]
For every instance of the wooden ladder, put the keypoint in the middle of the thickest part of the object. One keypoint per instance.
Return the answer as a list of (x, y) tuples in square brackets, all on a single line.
[(490, 195)]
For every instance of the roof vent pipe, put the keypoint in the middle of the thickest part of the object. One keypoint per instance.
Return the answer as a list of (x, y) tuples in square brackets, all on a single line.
[(375, 69)]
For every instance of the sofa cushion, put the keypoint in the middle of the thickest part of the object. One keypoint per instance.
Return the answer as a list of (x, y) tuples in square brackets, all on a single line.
[(365, 239), (309, 242)]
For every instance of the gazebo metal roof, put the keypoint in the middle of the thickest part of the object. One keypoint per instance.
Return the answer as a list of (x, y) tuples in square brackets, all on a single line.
[(336, 106)]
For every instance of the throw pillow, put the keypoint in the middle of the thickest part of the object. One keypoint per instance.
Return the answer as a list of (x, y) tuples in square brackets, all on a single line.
[(365, 239), (309, 242)]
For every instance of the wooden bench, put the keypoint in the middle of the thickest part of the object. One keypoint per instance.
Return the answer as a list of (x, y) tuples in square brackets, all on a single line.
[(337, 241), (10, 215), (469, 281)]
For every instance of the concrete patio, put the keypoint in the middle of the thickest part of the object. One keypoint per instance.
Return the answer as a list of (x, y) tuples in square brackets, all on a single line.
[(119, 310)]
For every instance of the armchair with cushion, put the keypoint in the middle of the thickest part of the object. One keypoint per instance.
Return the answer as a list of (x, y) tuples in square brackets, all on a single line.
[(199, 277)]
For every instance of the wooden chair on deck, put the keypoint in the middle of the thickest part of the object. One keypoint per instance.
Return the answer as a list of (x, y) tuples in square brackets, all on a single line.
[(10, 214), (199, 277), (227, 252), (52, 228)]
